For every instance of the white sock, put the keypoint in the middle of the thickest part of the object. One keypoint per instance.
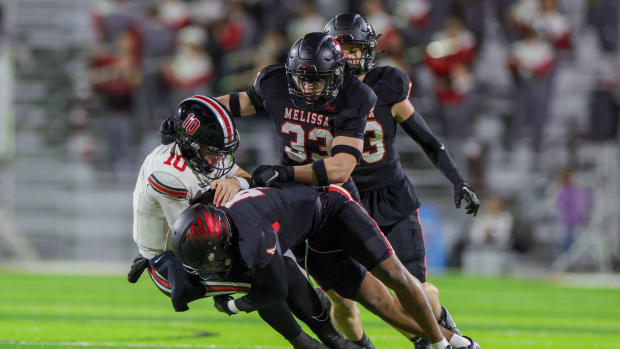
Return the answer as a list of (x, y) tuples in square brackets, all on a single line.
[(440, 345), (459, 341)]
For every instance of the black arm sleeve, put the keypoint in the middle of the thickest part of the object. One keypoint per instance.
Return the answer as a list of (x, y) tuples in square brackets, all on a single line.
[(270, 285), (417, 129)]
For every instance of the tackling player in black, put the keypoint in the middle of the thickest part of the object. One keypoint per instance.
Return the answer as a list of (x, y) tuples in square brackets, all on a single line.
[(247, 237), (385, 191), (318, 111)]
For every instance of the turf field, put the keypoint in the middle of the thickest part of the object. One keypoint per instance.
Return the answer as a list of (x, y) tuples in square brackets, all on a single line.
[(52, 311)]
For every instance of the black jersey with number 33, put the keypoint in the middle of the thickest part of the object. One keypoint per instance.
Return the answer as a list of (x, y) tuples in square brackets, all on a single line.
[(306, 135), (380, 164)]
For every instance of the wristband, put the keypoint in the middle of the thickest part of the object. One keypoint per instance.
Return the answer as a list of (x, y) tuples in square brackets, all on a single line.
[(243, 183), (232, 306), (233, 103), (320, 172)]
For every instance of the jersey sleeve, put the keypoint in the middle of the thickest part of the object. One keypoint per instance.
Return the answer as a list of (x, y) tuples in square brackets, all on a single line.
[(258, 91), (395, 86), (362, 100), (171, 195)]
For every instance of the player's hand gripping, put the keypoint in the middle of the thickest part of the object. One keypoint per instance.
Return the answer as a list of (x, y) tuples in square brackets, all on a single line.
[(138, 266), (464, 191), (225, 189), (265, 175), (225, 304)]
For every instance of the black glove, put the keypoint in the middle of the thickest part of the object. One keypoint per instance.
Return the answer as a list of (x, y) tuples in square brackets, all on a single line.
[(138, 266), (265, 175), (221, 304), (205, 197), (464, 191), (166, 131), (184, 287)]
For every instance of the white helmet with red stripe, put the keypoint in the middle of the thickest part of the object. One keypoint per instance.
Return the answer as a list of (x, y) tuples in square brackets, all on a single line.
[(202, 126)]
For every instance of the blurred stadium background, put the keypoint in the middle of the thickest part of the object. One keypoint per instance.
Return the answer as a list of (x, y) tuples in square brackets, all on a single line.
[(525, 94)]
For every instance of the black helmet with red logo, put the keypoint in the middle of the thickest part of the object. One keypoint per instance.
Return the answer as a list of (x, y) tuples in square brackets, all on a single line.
[(317, 59), (201, 240), (203, 126), (353, 29)]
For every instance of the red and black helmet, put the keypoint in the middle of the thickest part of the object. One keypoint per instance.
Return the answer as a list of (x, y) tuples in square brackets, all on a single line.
[(201, 239), (353, 29), (204, 126)]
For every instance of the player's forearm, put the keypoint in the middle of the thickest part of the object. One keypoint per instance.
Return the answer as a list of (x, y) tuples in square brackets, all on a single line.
[(338, 169), (436, 152), (244, 104)]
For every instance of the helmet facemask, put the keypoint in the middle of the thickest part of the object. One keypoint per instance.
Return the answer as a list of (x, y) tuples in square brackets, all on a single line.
[(312, 89), (365, 57), (197, 157)]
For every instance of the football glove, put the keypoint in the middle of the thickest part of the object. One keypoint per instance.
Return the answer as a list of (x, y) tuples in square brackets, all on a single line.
[(203, 197), (222, 302), (462, 191), (184, 287), (166, 131), (138, 267), (265, 175)]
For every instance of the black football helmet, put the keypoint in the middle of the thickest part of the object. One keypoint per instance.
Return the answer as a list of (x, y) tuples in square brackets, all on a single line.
[(316, 58), (201, 240), (203, 126), (353, 29)]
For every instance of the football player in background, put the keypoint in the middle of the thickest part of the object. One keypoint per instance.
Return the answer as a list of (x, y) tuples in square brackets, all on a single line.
[(247, 237), (386, 192), (196, 161)]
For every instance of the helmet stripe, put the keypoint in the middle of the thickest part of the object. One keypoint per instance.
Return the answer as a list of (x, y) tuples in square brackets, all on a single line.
[(209, 223), (201, 227), (224, 119)]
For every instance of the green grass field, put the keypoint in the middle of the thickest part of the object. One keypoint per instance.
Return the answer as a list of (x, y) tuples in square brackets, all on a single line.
[(52, 311)]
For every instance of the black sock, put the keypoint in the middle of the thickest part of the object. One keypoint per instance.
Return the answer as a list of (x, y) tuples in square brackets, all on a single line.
[(365, 342), (303, 300), (280, 318)]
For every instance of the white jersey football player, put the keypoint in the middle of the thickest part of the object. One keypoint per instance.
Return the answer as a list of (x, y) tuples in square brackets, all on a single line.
[(200, 158)]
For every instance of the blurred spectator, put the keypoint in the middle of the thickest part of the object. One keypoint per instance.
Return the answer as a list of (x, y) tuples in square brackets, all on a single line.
[(493, 228), (553, 25), (375, 14), (115, 77), (449, 56), (603, 16), (190, 69), (605, 102), (174, 14), (205, 12), (110, 19), (307, 21), (412, 18), (531, 62), (158, 47), (572, 203)]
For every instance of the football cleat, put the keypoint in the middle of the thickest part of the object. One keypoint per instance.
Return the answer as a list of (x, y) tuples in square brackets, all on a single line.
[(420, 343), (473, 345), (445, 320)]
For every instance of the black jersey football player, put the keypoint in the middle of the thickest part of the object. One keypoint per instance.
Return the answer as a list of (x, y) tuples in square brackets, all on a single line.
[(318, 111), (385, 191), (248, 235)]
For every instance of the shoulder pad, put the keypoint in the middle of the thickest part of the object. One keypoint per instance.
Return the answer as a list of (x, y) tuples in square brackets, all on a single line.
[(359, 94), (263, 84), (167, 185), (391, 85)]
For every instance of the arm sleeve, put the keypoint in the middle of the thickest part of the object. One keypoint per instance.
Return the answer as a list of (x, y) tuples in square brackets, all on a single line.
[(355, 121), (417, 129)]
